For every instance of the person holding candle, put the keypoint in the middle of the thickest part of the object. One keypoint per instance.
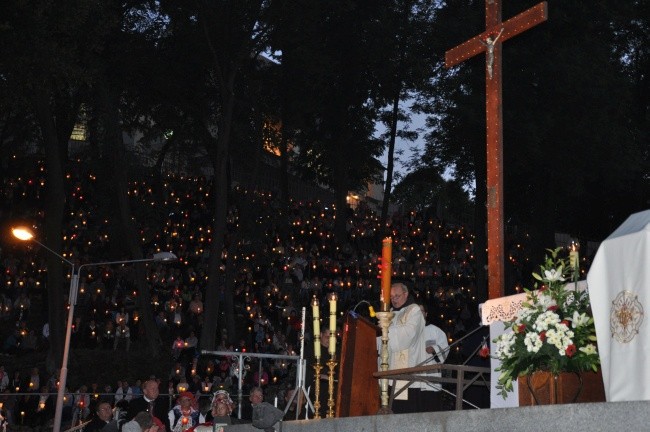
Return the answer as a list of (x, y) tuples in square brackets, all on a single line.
[(81, 402), (178, 373), (185, 414), (406, 346), (122, 333), (43, 410)]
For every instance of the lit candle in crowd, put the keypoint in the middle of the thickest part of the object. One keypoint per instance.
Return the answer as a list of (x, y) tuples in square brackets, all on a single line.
[(316, 313), (386, 270)]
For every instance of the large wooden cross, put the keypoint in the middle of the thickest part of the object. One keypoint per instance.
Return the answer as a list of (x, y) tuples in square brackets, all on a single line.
[(489, 42)]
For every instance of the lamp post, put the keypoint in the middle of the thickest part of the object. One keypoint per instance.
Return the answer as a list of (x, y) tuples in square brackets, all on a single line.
[(26, 235)]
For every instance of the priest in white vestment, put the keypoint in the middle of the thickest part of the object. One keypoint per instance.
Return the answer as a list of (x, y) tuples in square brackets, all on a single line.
[(406, 346)]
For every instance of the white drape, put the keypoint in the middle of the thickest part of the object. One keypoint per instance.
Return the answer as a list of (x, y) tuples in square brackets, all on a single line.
[(619, 284)]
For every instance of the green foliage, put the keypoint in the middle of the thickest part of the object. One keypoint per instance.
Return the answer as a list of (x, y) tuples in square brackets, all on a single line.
[(425, 188)]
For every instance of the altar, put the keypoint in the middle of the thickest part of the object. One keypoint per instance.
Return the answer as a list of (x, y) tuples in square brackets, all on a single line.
[(497, 314)]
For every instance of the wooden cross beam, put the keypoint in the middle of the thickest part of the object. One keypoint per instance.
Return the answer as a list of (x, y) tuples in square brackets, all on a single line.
[(496, 32)]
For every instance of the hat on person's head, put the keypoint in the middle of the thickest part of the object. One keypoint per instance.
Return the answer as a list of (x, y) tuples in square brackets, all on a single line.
[(266, 415), (219, 393), (158, 422), (187, 395)]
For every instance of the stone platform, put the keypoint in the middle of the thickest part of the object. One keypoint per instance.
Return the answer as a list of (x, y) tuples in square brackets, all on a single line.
[(592, 417)]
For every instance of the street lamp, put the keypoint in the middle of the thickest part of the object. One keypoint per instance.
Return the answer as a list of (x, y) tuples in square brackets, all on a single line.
[(25, 234)]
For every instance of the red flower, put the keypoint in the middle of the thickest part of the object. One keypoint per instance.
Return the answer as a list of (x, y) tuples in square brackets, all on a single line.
[(552, 308), (521, 328), (542, 335), (542, 288), (484, 352), (570, 350), (565, 322)]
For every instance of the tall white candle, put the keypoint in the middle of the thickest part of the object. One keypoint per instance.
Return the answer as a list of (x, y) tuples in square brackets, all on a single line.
[(332, 347), (316, 314), (333, 313)]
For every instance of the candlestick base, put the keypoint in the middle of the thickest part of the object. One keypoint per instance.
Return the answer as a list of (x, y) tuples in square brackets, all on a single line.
[(317, 370), (385, 319), (331, 364)]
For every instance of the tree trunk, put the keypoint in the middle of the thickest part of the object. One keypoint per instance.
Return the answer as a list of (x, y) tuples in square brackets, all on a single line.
[(54, 210), (56, 126), (208, 335), (390, 163), (116, 152), (341, 185)]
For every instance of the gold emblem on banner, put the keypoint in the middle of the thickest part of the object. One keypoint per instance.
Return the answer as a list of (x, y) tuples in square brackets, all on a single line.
[(625, 317)]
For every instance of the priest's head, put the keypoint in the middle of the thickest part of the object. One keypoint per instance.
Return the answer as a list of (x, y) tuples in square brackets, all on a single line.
[(399, 293)]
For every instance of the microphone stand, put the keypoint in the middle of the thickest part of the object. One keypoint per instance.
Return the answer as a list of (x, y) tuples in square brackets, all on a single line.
[(445, 352), (300, 384)]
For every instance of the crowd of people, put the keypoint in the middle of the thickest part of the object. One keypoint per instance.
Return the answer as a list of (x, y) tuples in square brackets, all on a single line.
[(276, 275)]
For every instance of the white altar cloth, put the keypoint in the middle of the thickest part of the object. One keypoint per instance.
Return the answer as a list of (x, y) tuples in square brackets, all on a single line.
[(619, 288)]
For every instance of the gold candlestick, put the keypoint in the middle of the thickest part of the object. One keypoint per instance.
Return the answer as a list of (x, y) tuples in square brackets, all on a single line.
[(331, 364), (384, 322), (317, 370)]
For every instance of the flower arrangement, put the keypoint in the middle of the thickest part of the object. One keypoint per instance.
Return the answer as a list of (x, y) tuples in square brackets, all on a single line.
[(553, 331)]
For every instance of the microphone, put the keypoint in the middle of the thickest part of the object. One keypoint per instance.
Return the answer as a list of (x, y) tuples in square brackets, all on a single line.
[(371, 309)]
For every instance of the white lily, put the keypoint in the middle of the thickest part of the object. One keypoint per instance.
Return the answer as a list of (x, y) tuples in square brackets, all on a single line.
[(579, 319), (553, 275)]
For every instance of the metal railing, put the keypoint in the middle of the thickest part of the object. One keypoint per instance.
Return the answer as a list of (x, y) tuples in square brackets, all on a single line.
[(480, 377), (240, 357)]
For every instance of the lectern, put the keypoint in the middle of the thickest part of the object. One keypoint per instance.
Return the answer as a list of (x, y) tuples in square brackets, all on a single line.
[(358, 390)]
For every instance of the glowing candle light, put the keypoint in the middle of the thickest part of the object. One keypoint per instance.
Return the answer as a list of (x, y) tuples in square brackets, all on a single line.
[(574, 257)]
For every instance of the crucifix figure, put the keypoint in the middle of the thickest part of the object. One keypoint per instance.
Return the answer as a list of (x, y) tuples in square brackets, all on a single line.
[(496, 32), (489, 51)]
